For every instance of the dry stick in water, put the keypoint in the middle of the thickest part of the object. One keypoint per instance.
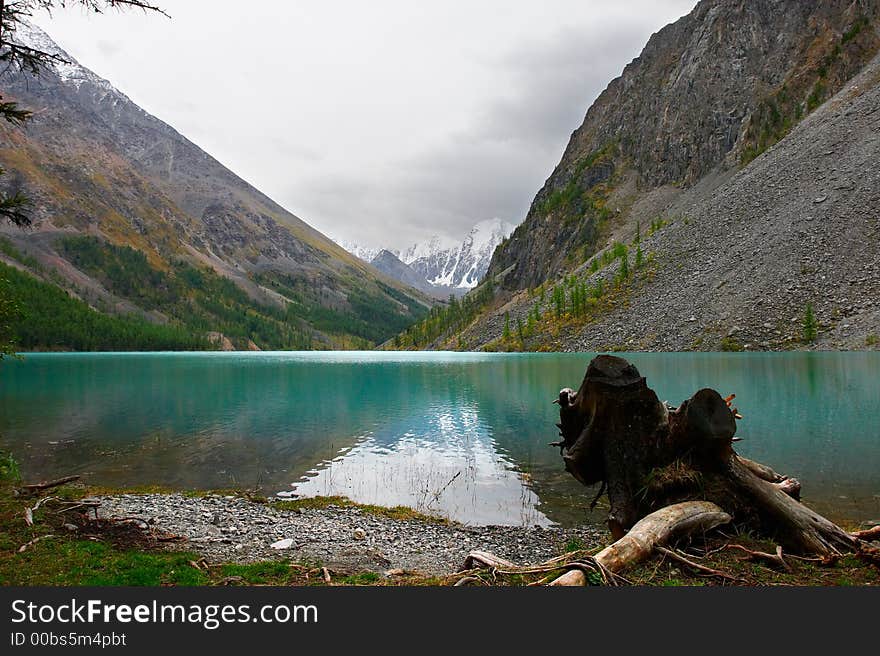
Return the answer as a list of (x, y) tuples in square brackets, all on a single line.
[(443, 489), (37, 487)]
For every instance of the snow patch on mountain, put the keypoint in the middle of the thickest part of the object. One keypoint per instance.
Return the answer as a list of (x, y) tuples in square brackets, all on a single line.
[(31, 36), (448, 265), (461, 265), (364, 253)]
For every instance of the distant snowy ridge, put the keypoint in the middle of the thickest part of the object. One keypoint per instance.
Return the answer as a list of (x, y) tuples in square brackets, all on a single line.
[(361, 252), (443, 263), (459, 265)]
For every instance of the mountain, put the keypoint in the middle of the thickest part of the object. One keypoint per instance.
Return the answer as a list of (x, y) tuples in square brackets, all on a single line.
[(134, 219), (391, 265), (440, 266), (733, 167), (461, 265), (363, 252)]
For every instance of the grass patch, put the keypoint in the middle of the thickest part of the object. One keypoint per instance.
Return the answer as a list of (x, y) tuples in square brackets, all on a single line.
[(398, 513), (731, 345), (115, 554)]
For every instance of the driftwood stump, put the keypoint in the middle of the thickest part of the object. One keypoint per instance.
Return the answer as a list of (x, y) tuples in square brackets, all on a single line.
[(616, 431)]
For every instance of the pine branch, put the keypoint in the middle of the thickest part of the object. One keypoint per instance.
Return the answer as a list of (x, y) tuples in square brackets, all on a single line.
[(10, 112), (12, 208)]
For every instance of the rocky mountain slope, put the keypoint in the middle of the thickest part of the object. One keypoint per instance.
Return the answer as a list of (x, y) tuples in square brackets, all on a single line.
[(97, 165), (735, 166), (709, 91), (388, 263)]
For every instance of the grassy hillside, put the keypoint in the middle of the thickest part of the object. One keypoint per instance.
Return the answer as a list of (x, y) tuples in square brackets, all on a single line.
[(49, 319), (135, 219), (190, 300)]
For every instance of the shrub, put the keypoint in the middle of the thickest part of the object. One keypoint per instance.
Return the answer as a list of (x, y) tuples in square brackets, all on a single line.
[(810, 329), (729, 344), (9, 472)]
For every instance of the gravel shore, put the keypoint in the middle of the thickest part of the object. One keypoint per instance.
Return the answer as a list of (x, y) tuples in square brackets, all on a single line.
[(226, 529)]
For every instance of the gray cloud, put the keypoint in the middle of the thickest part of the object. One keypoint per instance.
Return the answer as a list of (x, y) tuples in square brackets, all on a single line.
[(401, 121)]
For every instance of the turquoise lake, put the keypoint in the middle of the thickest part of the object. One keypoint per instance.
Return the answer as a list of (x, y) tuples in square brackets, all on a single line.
[(462, 434)]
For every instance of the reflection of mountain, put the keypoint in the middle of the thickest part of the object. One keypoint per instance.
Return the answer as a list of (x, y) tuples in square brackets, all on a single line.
[(443, 461), (411, 421)]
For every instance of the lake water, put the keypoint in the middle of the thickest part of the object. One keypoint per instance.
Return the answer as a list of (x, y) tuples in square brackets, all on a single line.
[(460, 434)]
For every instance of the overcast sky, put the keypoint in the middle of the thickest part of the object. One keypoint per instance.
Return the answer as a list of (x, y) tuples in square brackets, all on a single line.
[(381, 122)]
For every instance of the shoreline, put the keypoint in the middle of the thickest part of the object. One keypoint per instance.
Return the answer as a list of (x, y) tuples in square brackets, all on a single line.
[(335, 532), (152, 538)]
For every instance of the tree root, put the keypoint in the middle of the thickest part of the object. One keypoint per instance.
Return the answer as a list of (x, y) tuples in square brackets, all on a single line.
[(584, 565), (657, 529)]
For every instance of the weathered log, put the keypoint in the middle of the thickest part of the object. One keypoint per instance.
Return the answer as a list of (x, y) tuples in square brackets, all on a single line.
[(762, 471), (798, 526), (868, 534), (790, 486), (657, 529), (485, 559), (616, 431)]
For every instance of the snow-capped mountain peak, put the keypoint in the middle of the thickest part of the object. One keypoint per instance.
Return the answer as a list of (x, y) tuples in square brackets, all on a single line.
[(28, 34), (365, 253), (459, 265), (446, 264)]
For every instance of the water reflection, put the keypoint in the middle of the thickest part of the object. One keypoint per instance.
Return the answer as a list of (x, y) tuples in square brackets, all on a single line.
[(449, 465), (395, 428)]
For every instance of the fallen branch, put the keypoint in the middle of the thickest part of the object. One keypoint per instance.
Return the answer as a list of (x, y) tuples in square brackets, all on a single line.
[(45, 485), (325, 573), (23, 547), (483, 559), (772, 559), (29, 512), (868, 535), (657, 529), (467, 580), (700, 568)]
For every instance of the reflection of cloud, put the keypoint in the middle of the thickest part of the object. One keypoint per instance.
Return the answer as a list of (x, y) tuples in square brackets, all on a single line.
[(450, 467)]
